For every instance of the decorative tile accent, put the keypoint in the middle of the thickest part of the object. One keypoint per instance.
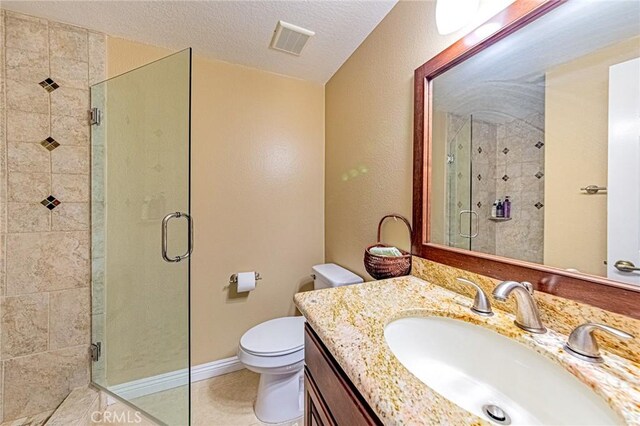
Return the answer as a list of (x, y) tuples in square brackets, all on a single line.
[(50, 143), (50, 202), (539, 205), (459, 204), (505, 178), (460, 175), (460, 146), (539, 175), (49, 85), (505, 151), (479, 204), (539, 145), (479, 150), (479, 177)]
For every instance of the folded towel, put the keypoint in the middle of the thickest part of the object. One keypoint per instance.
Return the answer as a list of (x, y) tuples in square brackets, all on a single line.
[(385, 251)]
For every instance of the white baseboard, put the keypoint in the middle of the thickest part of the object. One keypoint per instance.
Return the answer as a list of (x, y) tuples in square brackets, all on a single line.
[(173, 379), (215, 368)]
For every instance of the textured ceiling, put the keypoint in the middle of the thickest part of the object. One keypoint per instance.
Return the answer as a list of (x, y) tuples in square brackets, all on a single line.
[(232, 31)]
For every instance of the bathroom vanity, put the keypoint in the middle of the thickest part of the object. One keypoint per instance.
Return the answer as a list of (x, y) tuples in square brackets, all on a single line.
[(330, 396), (358, 371)]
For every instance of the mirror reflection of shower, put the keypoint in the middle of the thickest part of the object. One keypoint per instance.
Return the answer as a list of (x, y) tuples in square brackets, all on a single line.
[(494, 160)]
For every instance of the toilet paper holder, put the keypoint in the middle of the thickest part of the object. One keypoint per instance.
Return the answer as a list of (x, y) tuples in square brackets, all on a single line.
[(233, 279)]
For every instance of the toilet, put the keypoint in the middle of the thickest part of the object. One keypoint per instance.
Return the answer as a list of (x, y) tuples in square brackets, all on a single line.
[(275, 350)]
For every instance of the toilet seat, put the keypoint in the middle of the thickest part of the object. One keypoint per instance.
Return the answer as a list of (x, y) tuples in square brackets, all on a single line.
[(275, 338)]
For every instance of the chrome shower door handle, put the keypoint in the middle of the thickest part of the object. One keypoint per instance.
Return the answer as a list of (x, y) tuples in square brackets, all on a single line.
[(474, 215), (165, 243)]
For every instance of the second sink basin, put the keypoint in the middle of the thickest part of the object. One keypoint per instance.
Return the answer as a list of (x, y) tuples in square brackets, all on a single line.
[(492, 376)]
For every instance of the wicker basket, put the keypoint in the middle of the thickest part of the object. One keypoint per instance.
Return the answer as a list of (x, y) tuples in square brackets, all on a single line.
[(381, 267)]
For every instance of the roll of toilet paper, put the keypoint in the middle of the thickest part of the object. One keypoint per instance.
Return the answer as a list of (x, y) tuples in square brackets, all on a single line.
[(246, 281)]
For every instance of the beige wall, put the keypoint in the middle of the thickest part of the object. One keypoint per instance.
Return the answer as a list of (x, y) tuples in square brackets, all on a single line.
[(576, 120), (369, 127), (257, 192)]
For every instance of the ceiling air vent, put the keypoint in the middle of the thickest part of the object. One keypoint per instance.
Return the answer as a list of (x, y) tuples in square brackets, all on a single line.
[(290, 38)]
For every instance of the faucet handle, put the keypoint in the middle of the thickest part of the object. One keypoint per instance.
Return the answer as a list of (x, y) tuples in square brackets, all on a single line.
[(584, 345), (481, 304)]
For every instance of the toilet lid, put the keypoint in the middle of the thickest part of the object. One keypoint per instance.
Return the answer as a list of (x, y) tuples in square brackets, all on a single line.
[(275, 337)]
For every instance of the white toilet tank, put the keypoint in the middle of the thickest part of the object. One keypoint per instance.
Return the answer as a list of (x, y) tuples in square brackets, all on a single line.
[(332, 275)]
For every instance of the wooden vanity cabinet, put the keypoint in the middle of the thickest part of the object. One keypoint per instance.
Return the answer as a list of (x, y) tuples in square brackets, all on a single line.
[(330, 397)]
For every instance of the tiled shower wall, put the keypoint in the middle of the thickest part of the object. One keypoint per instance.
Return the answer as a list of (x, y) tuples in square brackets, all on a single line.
[(520, 174), (46, 69), (483, 183)]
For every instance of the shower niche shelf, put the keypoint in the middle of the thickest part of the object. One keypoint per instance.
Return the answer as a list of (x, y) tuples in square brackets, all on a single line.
[(500, 219)]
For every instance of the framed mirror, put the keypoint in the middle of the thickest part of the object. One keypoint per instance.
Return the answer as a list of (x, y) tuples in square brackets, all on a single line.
[(527, 151)]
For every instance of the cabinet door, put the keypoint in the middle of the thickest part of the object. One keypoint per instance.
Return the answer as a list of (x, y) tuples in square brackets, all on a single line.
[(335, 398), (316, 412)]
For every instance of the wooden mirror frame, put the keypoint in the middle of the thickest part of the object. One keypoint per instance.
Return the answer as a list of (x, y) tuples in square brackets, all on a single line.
[(596, 291)]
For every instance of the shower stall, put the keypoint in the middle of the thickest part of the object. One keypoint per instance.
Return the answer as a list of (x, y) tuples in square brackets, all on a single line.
[(142, 237)]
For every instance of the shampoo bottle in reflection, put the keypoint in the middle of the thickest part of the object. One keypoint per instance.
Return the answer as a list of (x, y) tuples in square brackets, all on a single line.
[(507, 207)]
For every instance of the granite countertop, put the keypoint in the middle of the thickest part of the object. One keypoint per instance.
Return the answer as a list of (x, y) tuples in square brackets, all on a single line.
[(350, 321)]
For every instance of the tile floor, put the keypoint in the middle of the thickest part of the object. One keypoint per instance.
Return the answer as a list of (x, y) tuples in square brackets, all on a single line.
[(221, 401)]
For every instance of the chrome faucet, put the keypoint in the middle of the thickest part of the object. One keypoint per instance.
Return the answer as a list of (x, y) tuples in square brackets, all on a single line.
[(527, 316), (584, 345), (481, 304)]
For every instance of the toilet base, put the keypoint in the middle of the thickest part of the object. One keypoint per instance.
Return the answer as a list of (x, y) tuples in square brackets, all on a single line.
[(280, 397)]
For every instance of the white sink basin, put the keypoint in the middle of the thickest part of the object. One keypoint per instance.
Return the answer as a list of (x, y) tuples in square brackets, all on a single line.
[(473, 367)]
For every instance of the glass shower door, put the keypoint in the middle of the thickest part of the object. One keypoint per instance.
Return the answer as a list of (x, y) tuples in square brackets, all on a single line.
[(142, 237), (462, 218)]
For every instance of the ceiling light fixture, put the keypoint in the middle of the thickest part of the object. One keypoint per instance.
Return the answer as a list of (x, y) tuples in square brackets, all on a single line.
[(452, 15)]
